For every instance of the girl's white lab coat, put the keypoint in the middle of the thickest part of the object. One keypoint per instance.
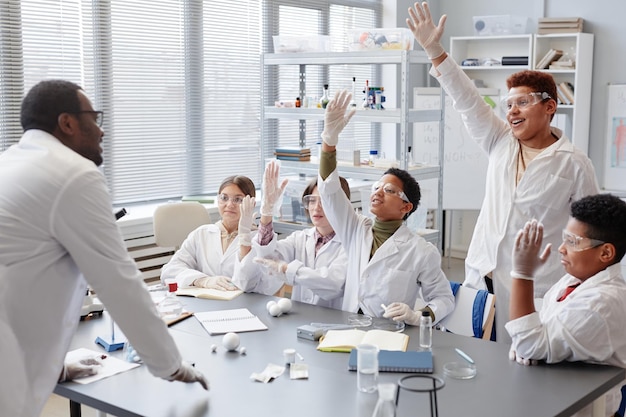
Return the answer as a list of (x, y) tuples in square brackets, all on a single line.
[(201, 255), (402, 267), (317, 280), (58, 235), (559, 175)]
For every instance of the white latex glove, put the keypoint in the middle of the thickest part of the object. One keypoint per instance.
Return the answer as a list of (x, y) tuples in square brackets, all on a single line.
[(277, 267), (187, 373), (246, 211), (526, 250), (272, 192), (402, 312), (335, 117), (218, 282), (80, 369), (526, 362), (426, 33)]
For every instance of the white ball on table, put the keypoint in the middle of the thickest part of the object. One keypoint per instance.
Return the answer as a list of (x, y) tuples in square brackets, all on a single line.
[(285, 305), (275, 310), (270, 304), (230, 341)]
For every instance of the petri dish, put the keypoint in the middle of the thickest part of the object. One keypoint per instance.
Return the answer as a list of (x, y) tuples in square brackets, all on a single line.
[(459, 370), (359, 320), (388, 324)]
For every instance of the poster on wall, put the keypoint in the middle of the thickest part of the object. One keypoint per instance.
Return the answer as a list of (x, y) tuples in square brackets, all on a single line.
[(615, 152)]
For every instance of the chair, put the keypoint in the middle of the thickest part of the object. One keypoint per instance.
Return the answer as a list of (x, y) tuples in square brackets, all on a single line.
[(473, 312), (174, 221)]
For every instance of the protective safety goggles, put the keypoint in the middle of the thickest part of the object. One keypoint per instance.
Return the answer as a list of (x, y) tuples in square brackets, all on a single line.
[(389, 189), (310, 201), (574, 241), (523, 100), (225, 198)]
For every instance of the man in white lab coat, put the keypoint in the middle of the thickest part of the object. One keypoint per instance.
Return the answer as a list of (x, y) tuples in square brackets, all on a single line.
[(389, 266), (534, 171), (57, 235)]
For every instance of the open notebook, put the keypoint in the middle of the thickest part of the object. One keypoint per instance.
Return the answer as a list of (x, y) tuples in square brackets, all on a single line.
[(226, 321)]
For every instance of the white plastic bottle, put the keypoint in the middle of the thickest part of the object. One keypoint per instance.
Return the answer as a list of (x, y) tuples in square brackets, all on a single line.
[(426, 330)]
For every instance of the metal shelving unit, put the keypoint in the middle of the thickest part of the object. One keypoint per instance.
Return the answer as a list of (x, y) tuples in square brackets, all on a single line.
[(403, 116)]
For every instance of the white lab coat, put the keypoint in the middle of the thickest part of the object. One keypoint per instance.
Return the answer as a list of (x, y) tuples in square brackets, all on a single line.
[(58, 234), (201, 255), (559, 175), (587, 326), (402, 267), (317, 280)]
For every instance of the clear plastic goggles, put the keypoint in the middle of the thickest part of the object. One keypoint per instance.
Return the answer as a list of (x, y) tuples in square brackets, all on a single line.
[(389, 189), (225, 198), (310, 201), (523, 100), (574, 242)]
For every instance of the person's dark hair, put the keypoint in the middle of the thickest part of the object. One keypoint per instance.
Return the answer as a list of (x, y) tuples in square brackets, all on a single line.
[(410, 187), (244, 183), (46, 101), (605, 217), (538, 81), (344, 186)]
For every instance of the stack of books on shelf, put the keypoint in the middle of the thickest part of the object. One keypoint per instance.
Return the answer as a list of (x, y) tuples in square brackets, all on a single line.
[(565, 91), (563, 63), (293, 154), (550, 56), (546, 25)]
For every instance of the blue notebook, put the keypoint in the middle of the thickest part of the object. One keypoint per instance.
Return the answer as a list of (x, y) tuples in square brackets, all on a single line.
[(398, 361)]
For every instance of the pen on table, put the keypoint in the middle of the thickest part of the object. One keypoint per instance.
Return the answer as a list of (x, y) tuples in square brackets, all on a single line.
[(464, 355), (299, 356)]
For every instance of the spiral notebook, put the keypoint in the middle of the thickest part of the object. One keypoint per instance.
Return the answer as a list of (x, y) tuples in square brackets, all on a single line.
[(397, 361), (225, 321)]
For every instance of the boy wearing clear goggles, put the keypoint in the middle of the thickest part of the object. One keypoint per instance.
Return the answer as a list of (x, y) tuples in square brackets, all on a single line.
[(311, 261), (581, 317), (534, 170), (389, 266)]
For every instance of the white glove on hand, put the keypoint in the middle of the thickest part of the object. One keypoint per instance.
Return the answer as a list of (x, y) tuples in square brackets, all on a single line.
[(402, 312), (335, 117), (218, 282), (80, 369), (246, 211), (187, 373), (272, 193), (277, 267), (526, 362), (426, 33), (526, 249)]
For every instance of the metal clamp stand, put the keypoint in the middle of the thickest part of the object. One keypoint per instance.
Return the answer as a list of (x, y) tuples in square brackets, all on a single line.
[(437, 384)]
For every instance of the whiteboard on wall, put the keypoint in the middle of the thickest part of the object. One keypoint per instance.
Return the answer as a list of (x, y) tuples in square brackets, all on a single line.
[(464, 162), (615, 151)]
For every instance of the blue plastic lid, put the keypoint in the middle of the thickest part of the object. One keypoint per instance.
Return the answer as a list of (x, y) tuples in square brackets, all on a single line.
[(373, 152)]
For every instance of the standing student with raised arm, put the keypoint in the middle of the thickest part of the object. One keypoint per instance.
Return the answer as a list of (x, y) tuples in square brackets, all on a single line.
[(311, 261), (582, 315), (534, 171), (387, 262)]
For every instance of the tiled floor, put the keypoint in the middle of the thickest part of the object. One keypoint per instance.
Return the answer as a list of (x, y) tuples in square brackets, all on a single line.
[(59, 407)]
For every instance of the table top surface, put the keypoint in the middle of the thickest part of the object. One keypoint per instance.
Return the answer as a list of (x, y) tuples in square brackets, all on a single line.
[(501, 387)]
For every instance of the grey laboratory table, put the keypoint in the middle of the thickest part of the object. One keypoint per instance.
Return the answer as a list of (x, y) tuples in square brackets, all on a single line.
[(500, 388)]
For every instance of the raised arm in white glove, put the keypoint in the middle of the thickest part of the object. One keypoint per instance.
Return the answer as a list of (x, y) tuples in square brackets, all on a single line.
[(187, 373), (218, 282), (277, 267), (426, 33), (272, 192), (246, 211), (80, 369), (336, 118), (526, 259), (402, 312)]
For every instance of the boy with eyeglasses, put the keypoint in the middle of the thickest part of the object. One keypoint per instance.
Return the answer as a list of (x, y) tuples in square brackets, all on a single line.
[(311, 261), (534, 171), (389, 266), (582, 315)]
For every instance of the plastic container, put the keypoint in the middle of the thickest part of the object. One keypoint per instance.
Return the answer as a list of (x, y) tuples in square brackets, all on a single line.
[(426, 330), (500, 25), (383, 38), (309, 43)]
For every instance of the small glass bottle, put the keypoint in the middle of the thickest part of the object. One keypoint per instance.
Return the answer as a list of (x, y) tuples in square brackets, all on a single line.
[(373, 157), (386, 404), (353, 102), (426, 330), (325, 98), (170, 308), (298, 103)]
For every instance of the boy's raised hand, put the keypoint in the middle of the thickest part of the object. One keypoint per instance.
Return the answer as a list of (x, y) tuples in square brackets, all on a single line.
[(335, 117)]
